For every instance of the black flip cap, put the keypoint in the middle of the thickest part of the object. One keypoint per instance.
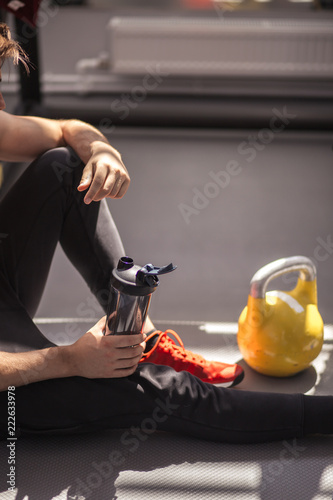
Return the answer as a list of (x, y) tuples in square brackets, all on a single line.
[(135, 280)]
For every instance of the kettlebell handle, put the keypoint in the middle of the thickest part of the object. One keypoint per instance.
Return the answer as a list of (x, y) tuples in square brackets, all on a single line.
[(260, 280)]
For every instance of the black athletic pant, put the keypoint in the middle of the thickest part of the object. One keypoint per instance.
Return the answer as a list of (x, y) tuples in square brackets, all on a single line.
[(44, 207)]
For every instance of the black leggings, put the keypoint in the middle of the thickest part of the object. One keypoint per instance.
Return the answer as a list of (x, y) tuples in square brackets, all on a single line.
[(44, 207)]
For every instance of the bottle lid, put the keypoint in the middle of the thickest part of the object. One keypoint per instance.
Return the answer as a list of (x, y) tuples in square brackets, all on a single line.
[(136, 280)]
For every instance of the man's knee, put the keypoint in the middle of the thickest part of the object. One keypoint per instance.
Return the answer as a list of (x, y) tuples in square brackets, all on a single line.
[(62, 163)]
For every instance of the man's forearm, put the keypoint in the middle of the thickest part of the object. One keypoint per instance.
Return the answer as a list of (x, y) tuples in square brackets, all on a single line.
[(104, 174), (22, 138), (85, 139), (24, 368), (94, 355)]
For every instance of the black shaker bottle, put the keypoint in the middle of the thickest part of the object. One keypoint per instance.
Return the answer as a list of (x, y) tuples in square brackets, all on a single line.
[(131, 290)]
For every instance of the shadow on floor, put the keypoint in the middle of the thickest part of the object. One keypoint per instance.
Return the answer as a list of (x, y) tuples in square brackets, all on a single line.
[(102, 467)]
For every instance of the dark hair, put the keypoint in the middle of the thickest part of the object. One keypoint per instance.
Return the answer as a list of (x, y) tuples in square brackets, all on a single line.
[(11, 49)]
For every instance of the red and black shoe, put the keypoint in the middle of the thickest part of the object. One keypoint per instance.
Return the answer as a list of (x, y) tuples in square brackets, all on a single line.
[(166, 352)]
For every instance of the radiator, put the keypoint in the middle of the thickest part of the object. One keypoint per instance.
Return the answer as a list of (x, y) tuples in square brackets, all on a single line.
[(259, 48)]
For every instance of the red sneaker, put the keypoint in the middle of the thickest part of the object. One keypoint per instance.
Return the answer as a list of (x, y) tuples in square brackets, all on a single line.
[(167, 352)]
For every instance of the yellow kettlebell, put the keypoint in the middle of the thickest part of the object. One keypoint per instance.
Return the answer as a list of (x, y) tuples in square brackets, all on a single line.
[(281, 333)]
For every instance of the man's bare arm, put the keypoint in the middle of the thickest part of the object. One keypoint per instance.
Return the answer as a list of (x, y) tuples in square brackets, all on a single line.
[(18, 369), (94, 355), (23, 138), (104, 174)]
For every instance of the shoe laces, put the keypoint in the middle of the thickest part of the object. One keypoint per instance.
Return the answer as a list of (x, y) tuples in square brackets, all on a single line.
[(175, 350)]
